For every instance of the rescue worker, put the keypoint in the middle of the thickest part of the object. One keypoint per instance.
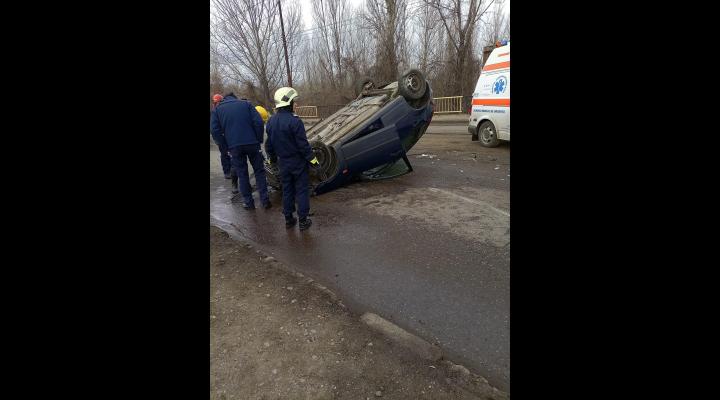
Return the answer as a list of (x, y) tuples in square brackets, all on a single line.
[(241, 126), (288, 146), (263, 113), (233, 176), (224, 157)]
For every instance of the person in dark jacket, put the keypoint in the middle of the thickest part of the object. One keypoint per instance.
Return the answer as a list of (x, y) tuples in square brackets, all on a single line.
[(224, 156), (287, 145), (240, 125)]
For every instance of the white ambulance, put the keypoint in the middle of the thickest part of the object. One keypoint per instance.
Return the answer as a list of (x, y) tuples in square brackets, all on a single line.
[(490, 112)]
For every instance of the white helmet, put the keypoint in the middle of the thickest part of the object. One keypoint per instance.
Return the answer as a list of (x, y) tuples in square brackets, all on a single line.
[(284, 96)]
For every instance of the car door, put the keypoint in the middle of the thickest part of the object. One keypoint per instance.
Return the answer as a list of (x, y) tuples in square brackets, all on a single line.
[(373, 150)]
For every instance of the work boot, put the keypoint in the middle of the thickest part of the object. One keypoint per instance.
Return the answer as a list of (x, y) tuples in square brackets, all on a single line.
[(305, 223), (267, 205), (290, 222), (249, 206)]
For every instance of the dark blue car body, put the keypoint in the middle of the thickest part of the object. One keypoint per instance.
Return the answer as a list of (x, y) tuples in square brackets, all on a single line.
[(374, 147)]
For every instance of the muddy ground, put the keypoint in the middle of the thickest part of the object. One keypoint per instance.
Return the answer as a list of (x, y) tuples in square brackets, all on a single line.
[(275, 335)]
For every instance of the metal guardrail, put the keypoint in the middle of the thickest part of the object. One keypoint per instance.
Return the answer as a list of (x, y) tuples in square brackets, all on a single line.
[(447, 105), (326, 111), (306, 111)]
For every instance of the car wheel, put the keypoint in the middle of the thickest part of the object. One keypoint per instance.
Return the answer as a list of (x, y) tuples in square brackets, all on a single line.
[(361, 84), (327, 159), (412, 85), (487, 134)]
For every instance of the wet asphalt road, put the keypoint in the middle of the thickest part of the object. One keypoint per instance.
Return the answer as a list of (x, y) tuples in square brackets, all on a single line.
[(429, 250)]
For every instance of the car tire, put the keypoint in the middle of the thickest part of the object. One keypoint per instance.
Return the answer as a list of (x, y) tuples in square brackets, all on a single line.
[(412, 84), (360, 84), (328, 162), (487, 134)]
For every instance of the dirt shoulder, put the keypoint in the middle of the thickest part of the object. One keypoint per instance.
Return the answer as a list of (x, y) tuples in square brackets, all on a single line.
[(275, 334)]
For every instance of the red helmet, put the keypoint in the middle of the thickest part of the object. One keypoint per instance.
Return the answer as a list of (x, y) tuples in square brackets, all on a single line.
[(217, 98)]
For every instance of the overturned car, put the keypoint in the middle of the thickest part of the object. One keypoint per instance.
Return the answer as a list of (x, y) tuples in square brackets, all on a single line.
[(370, 137)]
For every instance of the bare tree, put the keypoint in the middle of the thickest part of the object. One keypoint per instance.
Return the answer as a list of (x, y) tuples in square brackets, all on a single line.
[(331, 38), (460, 25), (386, 20), (249, 45), (496, 27), (336, 52), (358, 50), (346, 42), (292, 16), (216, 79), (428, 39)]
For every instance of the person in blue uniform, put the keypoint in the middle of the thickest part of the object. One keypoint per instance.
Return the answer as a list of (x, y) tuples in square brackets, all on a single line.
[(241, 126), (224, 157), (288, 146)]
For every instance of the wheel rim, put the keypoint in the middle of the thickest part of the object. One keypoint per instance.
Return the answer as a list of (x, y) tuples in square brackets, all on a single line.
[(487, 135), (412, 82)]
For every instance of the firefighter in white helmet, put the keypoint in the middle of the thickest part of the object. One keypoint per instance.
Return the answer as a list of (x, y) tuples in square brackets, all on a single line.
[(287, 145)]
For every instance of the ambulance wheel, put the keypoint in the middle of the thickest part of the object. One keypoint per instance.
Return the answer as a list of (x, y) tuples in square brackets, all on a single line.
[(412, 85), (487, 134)]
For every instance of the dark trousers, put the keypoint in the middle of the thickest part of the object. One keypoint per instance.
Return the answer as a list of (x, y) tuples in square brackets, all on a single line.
[(295, 189), (239, 157), (224, 159)]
